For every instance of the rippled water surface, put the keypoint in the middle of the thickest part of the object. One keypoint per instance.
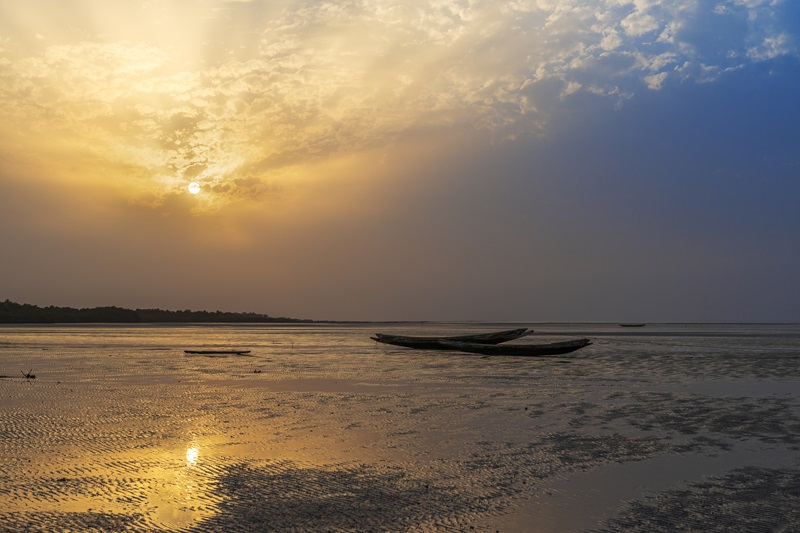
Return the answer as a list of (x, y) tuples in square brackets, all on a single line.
[(658, 428)]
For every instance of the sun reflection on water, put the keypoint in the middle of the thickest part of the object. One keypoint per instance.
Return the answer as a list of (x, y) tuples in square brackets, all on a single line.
[(181, 496), (192, 453)]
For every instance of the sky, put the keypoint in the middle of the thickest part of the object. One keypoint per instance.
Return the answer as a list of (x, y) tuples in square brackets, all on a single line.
[(524, 160)]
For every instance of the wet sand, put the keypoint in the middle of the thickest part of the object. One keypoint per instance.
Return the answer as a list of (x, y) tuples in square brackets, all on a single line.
[(298, 438)]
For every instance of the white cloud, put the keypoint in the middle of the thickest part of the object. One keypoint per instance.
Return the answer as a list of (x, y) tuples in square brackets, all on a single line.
[(611, 41), (771, 47), (656, 80), (571, 88), (638, 23)]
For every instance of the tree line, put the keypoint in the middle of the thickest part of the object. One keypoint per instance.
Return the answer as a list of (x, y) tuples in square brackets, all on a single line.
[(15, 313)]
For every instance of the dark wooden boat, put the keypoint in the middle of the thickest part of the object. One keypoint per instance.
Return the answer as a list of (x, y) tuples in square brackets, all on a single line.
[(217, 352), (529, 350), (435, 343), (637, 325)]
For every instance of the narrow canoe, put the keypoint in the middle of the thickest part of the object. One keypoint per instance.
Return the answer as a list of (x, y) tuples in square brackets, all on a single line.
[(217, 352), (435, 343), (529, 350)]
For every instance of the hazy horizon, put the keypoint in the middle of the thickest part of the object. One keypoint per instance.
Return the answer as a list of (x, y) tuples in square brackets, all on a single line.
[(533, 161), (300, 321)]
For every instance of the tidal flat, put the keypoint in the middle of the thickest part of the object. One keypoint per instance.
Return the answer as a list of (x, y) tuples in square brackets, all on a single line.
[(318, 428)]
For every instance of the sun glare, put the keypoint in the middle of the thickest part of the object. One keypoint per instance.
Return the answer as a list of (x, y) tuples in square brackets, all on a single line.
[(192, 453), (194, 187)]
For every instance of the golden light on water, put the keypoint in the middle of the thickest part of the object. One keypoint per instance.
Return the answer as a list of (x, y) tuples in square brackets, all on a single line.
[(192, 454), (179, 498)]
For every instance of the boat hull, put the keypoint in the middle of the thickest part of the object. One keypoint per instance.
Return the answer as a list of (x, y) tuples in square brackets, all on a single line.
[(436, 343), (526, 350), (217, 352)]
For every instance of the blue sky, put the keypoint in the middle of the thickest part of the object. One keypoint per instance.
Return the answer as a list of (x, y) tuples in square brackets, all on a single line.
[(605, 160)]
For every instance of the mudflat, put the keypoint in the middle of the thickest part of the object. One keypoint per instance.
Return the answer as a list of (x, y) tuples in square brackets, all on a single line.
[(320, 429)]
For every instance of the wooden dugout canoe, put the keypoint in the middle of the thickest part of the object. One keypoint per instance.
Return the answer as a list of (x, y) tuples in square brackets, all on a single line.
[(217, 352), (528, 350), (436, 343)]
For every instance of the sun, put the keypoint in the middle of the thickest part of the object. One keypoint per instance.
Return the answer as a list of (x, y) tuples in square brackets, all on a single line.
[(194, 187)]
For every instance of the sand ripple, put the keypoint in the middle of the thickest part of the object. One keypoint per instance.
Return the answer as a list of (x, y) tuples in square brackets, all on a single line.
[(338, 435)]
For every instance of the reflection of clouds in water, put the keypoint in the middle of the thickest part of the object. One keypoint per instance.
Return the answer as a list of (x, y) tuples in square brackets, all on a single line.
[(52, 521), (282, 496), (287, 496), (399, 442), (753, 499)]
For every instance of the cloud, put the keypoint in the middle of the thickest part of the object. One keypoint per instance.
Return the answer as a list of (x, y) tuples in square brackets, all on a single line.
[(770, 48), (656, 80), (265, 89)]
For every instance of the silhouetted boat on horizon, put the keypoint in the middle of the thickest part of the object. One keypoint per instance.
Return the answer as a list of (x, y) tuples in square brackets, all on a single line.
[(527, 350), (217, 352), (435, 343)]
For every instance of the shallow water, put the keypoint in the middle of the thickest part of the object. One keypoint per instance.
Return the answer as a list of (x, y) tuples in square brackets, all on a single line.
[(320, 428)]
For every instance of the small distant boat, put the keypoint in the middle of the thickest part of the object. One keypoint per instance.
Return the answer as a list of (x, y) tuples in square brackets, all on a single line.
[(217, 352), (438, 343), (529, 350), (637, 325)]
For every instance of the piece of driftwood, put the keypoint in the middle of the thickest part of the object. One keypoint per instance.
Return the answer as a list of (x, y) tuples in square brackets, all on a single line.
[(29, 375)]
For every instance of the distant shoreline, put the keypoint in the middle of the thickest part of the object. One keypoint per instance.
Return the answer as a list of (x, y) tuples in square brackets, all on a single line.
[(15, 313)]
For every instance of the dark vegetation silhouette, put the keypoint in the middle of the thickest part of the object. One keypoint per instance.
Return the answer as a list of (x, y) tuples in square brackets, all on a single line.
[(14, 313)]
